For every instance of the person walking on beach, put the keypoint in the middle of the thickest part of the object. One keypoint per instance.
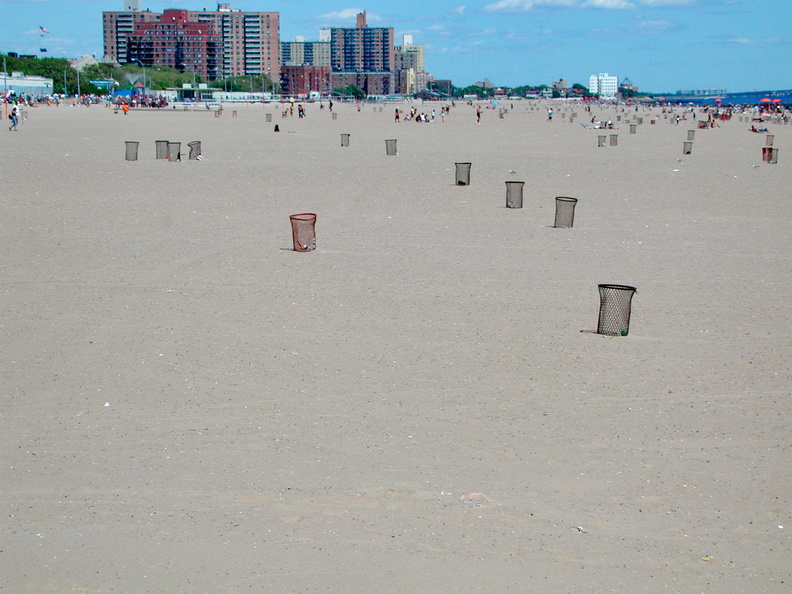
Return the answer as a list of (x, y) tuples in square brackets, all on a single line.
[(14, 119), (397, 115), (478, 114), (549, 115)]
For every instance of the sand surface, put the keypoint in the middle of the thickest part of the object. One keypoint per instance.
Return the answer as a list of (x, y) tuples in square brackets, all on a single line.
[(419, 405)]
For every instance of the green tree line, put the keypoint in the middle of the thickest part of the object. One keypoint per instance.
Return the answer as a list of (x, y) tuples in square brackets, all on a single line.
[(65, 78)]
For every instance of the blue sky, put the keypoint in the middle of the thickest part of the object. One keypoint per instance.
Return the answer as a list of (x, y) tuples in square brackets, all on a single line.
[(661, 45)]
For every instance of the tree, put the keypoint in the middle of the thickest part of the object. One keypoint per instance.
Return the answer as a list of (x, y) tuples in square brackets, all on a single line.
[(246, 84), (353, 90), (468, 90)]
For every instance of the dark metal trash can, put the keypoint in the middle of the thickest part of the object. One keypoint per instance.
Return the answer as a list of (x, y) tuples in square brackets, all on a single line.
[(161, 149), (195, 149), (514, 194), (463, 174), (174, 151), (565, 211), (615, 309), (131, 150), (303, 231)]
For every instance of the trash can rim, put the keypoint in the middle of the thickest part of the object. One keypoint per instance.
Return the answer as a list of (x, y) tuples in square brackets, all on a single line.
[(621, 287)]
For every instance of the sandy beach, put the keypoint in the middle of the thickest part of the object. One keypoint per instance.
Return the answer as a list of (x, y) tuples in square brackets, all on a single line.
[(421, 404)]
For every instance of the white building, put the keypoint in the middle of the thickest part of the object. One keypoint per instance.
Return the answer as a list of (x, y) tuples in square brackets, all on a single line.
[(20, 84), (604, 85)]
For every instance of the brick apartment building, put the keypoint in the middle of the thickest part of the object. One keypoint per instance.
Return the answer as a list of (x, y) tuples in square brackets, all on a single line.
[(248, 42)]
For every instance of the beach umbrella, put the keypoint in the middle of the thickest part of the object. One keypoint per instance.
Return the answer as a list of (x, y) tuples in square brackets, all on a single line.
[(776, 100), (766, 100)]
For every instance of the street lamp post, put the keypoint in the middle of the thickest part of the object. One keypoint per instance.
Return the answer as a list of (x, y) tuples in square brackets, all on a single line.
[(144, 75), (5, 88)]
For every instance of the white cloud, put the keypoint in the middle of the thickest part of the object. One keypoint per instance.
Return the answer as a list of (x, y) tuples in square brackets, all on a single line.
[(653, 27), (459, 10), (608, 4), (666, 2), (746, 41), (349, 14), (525, 5)]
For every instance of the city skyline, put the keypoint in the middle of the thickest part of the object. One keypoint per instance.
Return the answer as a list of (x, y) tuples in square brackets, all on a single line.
[(660, 45)]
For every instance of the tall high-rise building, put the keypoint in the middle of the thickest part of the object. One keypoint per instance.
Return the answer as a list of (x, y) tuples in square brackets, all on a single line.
[(363, 56), (177, 42), (305, 53), (249, 41), (117, 27), (604, 85), (409, 63), (408, 55)]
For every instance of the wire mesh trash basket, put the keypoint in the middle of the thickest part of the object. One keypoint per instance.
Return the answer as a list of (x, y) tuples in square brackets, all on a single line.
[(691, 135), (615, 308), (195, 149), (687, 148), (303, 231), (601, 140), (614, 139), (773, 156), (161, 149), (633, 128), (565, 212), (268, 117), (335, 116), (514, 194), (463, 174), (174, 151), (390, 147), (131, 150), (345, 140), (769, 139)]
